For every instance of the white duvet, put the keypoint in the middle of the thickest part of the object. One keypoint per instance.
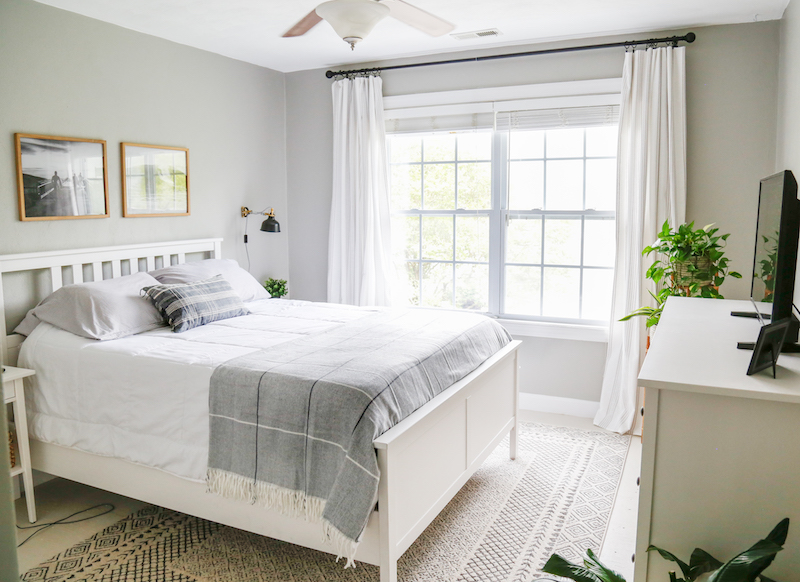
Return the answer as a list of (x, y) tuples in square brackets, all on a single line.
[(144, 398)]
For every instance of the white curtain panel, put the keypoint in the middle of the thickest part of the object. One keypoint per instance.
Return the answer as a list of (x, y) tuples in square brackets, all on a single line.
[(651, 188), (359, 251)]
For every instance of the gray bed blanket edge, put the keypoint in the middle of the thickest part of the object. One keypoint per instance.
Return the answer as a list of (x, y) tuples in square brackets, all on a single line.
[(291, 427)]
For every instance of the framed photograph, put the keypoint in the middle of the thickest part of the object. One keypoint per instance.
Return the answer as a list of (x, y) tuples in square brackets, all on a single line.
[(768, 347), (61, 177), (155, 180)]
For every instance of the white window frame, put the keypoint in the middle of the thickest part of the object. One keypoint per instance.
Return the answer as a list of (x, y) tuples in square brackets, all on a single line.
[(501, 99)]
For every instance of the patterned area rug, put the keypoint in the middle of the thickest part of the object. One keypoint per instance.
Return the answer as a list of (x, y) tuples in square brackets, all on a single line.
[(501, 527)]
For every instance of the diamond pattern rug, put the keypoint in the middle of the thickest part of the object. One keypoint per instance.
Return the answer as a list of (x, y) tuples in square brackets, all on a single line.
[(501, 527)]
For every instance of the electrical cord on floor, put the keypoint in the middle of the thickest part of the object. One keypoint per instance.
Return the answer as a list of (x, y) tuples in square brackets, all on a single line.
[(39, 527)]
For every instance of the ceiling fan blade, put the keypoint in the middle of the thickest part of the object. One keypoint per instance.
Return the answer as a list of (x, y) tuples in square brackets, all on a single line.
[(308, 22), (418, 18)]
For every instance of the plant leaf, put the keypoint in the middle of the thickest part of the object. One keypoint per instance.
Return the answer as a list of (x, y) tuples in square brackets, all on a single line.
[(747, 565), (779, 532), (594, 565), (702, 562), (687, 572), (558, 566)]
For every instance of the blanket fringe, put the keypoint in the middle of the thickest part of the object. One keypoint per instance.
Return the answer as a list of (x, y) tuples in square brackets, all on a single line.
[(286, 501)]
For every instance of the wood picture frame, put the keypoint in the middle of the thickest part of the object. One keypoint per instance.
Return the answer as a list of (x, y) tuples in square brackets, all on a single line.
[(155, 180), (80, 191)]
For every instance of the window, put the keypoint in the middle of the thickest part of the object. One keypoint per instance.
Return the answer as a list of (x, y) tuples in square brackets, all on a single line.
[(517, 222)]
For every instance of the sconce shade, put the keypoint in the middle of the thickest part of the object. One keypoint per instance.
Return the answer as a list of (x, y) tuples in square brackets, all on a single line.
[(352, 20), (270, 225)]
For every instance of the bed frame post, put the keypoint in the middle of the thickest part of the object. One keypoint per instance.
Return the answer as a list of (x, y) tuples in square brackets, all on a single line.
[(514, 434), (388, 545)]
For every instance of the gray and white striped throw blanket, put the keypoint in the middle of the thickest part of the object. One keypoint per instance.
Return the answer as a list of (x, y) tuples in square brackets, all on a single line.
[(292, 426)]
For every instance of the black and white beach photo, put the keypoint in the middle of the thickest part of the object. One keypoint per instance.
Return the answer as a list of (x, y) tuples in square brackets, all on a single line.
[(61, 177)]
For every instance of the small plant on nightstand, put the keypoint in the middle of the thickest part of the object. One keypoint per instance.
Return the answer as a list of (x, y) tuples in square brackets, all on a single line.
[(276, 287)]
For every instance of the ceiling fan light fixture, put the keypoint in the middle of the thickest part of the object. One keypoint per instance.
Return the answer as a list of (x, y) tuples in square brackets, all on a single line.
[(352, 20)]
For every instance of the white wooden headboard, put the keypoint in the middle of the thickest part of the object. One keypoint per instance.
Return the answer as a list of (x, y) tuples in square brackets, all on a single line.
[(152, 255)]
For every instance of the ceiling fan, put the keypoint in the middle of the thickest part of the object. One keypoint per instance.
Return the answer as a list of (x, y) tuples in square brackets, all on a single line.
[(354, 19)]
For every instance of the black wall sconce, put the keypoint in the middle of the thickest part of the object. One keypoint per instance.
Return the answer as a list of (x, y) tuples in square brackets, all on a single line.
[(269, 225)]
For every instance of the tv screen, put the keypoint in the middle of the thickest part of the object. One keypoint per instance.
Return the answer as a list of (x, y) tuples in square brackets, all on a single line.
[(768, 231), (775, 258)]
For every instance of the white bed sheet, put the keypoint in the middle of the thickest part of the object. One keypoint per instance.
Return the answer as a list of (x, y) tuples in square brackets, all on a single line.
[(144, 398)]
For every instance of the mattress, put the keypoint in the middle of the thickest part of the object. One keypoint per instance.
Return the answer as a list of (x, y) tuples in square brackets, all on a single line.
[(144, 398)]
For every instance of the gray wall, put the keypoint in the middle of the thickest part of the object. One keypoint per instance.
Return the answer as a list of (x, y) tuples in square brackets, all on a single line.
[(67, 75), (731, 84)]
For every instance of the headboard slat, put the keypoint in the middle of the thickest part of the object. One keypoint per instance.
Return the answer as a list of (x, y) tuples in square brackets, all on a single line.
[(151, 263), (56, 279), (77, 273), (116, 268), (97, 271)]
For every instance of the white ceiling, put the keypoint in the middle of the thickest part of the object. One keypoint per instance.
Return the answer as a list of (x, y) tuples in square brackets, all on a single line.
[(250, 30)]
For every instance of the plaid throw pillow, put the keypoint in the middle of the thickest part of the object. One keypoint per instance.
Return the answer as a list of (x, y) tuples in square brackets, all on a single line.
[(189, 305)]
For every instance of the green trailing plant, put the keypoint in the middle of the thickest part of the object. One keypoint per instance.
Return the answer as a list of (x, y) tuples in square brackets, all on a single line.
[(276, 287), (744, 567), (689, 263)]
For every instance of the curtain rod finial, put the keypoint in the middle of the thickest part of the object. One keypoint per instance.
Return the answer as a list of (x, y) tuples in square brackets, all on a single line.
[(690, 37)]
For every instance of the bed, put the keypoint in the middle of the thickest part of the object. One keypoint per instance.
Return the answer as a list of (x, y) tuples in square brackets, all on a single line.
[(445, 440)]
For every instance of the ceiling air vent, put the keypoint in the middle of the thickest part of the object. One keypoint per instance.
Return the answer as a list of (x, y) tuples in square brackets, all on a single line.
[(476, 34)]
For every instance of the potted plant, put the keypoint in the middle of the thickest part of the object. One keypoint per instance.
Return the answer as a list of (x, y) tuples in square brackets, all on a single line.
[(276, 287), (689, 263), (744, 567)]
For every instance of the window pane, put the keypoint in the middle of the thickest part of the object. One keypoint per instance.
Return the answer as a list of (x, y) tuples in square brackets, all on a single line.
[(475, 146), (601, 141), (524, 240), (565, 185), (406, 149), (601, 184), (405, 237), (440, 187), (440, 148), (565, 143), (437, 237), (597, 286), (437, 285), (472, 287), (522, 290), (525, 185), (562, 241), (406, 187), (526, 144), (599, 243), (475, 186), (472, 238), (561, 292), (408, 285)]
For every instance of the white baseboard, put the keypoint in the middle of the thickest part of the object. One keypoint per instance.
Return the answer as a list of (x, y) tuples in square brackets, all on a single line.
[(558, 405)]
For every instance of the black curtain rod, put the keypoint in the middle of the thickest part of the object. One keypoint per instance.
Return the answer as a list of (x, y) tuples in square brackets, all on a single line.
[(673, 40)]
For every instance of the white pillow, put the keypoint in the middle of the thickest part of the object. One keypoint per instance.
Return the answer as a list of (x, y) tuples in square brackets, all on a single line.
[(101, 310), (242, 282)]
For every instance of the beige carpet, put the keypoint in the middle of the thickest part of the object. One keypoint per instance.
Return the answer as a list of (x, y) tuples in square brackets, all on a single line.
[(502, 526)]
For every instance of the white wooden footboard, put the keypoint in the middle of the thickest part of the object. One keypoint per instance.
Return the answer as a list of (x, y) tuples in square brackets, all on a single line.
[(427, 458)]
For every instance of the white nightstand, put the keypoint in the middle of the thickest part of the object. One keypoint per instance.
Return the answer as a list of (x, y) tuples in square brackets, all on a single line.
[(14, 394)]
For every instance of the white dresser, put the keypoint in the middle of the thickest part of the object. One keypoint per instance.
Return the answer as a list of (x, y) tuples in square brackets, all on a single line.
[(721, 450)]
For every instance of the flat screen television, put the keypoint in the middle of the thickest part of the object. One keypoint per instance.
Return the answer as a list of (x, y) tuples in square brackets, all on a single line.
[(775, 255)]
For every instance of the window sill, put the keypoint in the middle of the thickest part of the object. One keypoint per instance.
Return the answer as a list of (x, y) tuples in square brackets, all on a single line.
[(586, 333)]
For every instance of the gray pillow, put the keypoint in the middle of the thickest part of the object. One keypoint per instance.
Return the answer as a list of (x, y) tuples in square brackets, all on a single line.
[(242, 282), (101, 310), (189, 305)]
